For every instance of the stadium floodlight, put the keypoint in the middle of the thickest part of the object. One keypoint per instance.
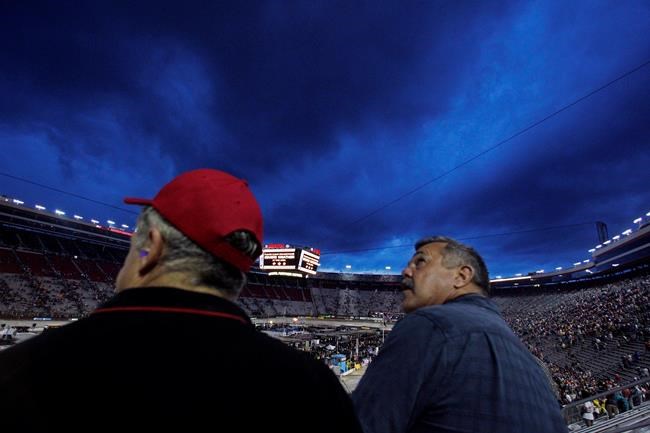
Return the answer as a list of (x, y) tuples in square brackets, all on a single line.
[(607, 242), (588, 271), (627, 232), (39, 207), (348, 266), (541, 271), (637, 221), (647, 214), (559, 268), (617, 237), (517, 275), (388, 268), (498, 277), (110, 223), (599, 246), (78, 217), (125, 226), (577, 263), (585, 261), (615, 265), (16, 201), (592, 250), (94, 221), (59, 212)]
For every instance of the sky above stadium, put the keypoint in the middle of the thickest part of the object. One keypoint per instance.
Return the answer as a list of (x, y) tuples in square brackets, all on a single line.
[(361, 127)]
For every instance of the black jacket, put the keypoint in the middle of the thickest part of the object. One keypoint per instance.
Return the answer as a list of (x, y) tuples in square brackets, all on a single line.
[(163, 359)]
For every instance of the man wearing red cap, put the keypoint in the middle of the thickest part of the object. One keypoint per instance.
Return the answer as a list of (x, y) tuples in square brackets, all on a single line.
[(171, 351)]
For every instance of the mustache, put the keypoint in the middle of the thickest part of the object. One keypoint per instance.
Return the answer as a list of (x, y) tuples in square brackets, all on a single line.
[(407, 283)]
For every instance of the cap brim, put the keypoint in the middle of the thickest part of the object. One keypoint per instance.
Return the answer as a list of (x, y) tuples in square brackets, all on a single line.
[(140, 201)]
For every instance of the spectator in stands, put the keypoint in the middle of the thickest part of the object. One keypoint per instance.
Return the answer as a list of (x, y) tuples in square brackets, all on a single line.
[(611, 406), (588, 413), (453, 364), (171, 351)]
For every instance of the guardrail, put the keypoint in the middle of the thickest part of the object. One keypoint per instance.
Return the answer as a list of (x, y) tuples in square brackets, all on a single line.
[(571, 412)]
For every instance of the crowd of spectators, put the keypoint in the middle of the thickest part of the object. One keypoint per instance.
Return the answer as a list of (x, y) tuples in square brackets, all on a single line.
[(558, 328), (613, 318)]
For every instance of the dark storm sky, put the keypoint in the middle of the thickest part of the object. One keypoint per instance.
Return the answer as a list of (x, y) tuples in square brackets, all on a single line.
[(332, 110)]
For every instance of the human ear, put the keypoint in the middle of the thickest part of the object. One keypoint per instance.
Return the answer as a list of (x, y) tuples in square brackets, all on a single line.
[(150, 256), (464, 276)]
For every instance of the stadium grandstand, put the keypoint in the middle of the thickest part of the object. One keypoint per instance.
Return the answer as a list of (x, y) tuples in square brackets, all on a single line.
[(589, 325)]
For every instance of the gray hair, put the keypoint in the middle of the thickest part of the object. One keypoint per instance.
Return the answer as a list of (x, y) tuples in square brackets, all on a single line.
[(457, 254), (181, 254)]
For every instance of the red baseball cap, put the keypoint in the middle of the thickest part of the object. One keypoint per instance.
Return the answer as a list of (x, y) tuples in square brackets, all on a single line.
[(207, 205)]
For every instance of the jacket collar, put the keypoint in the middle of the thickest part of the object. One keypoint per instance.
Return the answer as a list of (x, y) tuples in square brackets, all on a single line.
[(476, 299), (175, 301)]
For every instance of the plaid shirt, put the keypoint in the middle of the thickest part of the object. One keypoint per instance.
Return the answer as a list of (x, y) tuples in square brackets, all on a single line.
[(456, 367)]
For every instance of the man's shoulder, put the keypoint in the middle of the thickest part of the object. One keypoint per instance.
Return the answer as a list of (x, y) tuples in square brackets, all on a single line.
[(270, 346)]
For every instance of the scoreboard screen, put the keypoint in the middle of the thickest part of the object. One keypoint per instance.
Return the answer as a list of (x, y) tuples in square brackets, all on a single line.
[(279, 259), (308, 262)]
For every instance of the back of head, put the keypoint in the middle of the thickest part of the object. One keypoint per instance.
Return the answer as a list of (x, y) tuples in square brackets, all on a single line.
[(211, 225), (182, 255)]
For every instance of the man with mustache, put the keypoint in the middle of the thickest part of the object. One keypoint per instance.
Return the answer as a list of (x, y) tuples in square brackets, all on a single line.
[(453, 364)]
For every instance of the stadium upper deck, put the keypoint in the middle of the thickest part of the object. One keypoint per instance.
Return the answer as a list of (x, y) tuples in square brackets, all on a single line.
[(24, 228)]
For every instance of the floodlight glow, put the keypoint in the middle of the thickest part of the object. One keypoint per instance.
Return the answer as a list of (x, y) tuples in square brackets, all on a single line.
[(617, 237), (559, 268), (598, 246), (78, 217), (94, 221), (541, 271), (592, 250), (39, 207), (125, 226), (607, 242), (577, 264), (627, 232), (585, 261), (59, 212), (498, 276), (110, 222), (348, 266), (517, 275), (648, 214), (388, 268), (614, 265), (637, 221), (589, 272), (18, 201)]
